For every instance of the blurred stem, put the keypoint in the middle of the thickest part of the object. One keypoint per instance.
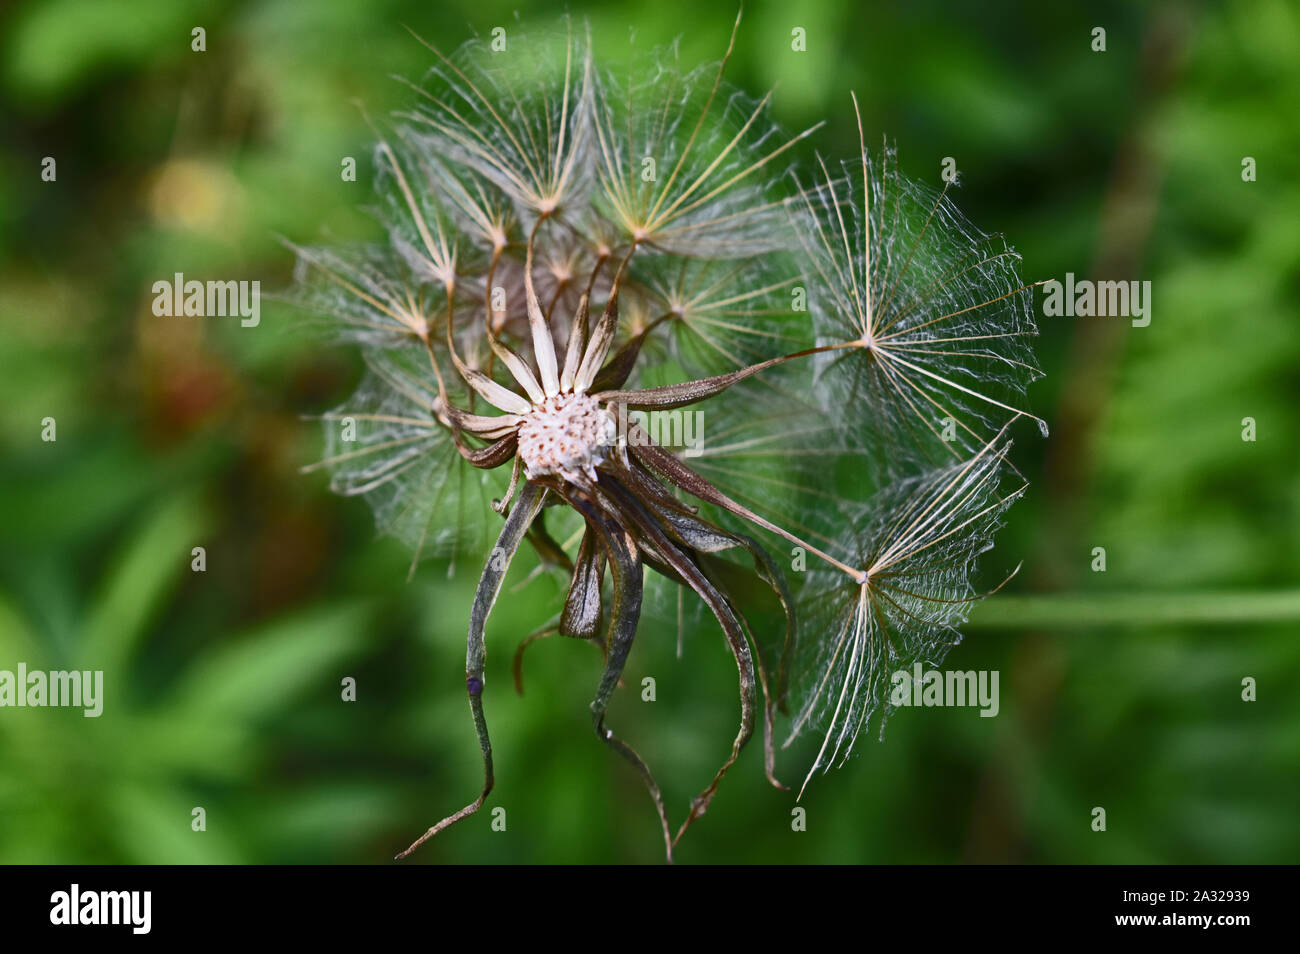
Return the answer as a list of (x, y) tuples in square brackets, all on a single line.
[(1071, 610)]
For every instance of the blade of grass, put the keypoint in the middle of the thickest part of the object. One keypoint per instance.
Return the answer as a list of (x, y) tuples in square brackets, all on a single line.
[(1079, 610)]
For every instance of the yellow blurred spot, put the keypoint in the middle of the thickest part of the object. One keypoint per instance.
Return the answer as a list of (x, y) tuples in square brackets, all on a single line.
[(196, 195)]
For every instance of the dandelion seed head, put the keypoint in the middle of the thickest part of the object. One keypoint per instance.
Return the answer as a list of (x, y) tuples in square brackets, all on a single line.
[(566, 435), (563, 241)]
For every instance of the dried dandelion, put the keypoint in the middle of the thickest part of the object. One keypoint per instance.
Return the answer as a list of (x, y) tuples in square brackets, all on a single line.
[(571, 250)]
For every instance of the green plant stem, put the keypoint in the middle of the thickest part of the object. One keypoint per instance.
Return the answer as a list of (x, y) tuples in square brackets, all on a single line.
[(1070, 610)]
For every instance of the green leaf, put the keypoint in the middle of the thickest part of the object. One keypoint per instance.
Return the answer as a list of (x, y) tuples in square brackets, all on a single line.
[(142, 575), (264, 672)]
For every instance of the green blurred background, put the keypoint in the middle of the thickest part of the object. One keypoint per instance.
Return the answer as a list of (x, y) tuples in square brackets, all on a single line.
[(223, 687)]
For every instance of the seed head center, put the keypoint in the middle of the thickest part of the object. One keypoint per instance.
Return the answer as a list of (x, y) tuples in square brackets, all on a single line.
[(566, 435)]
